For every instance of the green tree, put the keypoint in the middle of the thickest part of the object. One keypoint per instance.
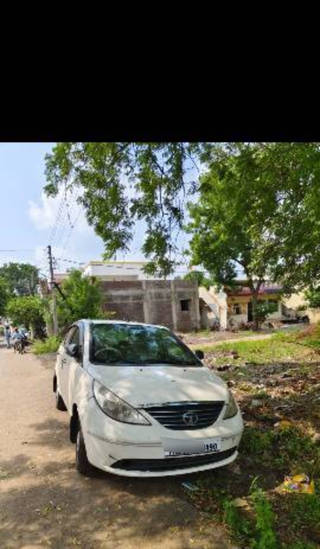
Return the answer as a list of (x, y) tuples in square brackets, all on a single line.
[(236, 222), (27, 311), (280, 184), (21, 278), (263, 310), (200, 278), (312, 296), (156, 182), (4, 296), (83, 299), (272, 190)]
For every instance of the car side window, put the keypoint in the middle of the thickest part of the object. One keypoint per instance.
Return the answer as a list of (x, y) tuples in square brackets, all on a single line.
[(75, 336), (69, 335)]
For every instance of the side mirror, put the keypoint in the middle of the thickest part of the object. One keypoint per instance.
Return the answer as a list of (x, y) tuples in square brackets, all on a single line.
[(73, 350), (199, 354)]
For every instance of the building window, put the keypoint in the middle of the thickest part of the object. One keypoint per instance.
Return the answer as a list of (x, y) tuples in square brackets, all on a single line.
[(185, 304), (236, 309)]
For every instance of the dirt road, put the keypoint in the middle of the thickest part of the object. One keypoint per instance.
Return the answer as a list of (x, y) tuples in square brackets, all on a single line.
[(44, 502)]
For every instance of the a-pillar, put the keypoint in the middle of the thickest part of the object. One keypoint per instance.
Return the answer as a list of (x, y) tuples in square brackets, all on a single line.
[(146, 302), (174, 305)]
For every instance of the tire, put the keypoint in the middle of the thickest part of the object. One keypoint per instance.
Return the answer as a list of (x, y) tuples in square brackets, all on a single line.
[(60, 405), (83, 466)]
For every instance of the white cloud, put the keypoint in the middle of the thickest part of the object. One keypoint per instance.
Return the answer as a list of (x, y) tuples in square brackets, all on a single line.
[(67, 230), (43, 216), (63, 224)]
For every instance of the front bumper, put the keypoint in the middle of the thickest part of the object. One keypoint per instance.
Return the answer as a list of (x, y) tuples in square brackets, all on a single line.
[(139, 451)]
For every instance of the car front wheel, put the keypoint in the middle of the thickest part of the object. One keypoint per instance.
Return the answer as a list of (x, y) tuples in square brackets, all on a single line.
[(82, 464), (60, 405)]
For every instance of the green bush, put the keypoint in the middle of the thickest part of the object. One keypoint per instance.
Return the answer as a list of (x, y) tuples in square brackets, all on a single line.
[(28, 311), (255, 441), (239, 526), (302, 545), (304, 511), (50, 345), (265, 535), (258, 533)]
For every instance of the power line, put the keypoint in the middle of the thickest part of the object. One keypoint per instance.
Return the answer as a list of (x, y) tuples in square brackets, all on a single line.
[(54, 301), (22, 250), (61, 221), (70, 261), (72, 226)]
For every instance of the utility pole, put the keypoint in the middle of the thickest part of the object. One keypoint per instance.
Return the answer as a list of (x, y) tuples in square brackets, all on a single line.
[(54, 297)]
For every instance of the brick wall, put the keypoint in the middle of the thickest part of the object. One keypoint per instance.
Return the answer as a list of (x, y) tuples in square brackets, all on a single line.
[(154, 302)]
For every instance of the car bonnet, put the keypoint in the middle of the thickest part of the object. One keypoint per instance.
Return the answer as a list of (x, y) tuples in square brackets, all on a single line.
[(146, 385)]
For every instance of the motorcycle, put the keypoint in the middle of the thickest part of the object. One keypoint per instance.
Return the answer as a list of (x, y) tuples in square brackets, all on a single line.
[(20, 345)]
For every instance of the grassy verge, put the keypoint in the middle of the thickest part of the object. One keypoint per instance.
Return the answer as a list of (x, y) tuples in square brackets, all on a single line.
[(277, 384), (49, 345)]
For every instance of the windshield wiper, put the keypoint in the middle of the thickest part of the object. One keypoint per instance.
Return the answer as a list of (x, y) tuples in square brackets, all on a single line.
[(120, 361), (175, 363)]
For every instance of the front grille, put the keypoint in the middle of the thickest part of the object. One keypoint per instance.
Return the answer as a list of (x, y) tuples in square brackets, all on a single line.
[(172, 463), (172, 416)]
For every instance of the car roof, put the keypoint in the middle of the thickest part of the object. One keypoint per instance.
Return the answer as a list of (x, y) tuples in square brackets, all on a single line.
[(97, 321)]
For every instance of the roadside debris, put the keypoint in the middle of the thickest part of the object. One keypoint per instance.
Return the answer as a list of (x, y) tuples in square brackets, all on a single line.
[(283, 424), (255, 403), (300, 484), (241, 502), (316, 438), (189, 486), (224, 368)]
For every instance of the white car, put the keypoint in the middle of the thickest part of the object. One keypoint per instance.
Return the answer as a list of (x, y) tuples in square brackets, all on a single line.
[(141, 403)]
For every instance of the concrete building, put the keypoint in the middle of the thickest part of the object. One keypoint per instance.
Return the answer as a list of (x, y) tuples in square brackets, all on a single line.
[(233, 306), (172, 303), (117, 270), (133, 296), (296, 305)]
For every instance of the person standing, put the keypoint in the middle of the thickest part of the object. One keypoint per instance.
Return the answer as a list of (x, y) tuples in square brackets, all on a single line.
[(7, 336)]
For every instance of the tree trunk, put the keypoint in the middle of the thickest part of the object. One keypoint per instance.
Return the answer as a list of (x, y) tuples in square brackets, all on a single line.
[(254, 286), (254, 300)]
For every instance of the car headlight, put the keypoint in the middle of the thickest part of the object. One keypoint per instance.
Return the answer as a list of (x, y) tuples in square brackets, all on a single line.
[(231, 409), (115, 407)]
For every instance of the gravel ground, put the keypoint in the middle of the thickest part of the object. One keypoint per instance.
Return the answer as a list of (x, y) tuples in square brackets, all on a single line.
[(44, 502), (215, 338)]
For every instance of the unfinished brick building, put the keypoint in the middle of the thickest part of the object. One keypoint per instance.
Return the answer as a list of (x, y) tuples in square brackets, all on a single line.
[(172, 303)]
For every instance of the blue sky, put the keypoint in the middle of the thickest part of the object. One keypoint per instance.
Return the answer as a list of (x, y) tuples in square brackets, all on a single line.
[(28, 216)]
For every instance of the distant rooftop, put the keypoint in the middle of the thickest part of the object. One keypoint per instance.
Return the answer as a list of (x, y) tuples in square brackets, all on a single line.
[(268, 288), (115, 262)]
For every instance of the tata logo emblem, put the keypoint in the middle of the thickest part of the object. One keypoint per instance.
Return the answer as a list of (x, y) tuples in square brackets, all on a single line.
[(190, 418)]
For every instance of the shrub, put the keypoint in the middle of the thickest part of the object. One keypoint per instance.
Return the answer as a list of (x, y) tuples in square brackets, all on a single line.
[(239, 526), (84, 299), (26, 310), (265, 535), (49, 345)]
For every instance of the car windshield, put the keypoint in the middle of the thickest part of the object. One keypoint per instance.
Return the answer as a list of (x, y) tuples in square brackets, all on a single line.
[(130, 344)]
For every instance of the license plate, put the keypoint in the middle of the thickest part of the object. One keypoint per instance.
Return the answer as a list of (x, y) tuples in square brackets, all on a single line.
[(174, 447)]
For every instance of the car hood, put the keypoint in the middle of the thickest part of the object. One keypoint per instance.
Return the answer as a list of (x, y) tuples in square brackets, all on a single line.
[(149, 385)]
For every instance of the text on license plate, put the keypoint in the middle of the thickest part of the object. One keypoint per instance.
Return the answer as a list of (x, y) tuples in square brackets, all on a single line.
[(191, 447)]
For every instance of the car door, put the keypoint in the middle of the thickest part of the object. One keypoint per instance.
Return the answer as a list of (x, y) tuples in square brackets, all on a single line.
[(73, 367), (63, 363)]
